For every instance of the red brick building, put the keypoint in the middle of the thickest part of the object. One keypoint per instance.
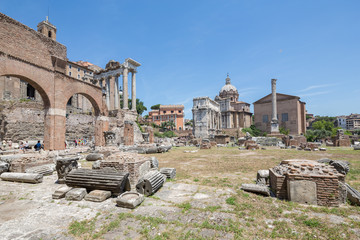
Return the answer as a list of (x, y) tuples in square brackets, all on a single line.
[(165, 113)]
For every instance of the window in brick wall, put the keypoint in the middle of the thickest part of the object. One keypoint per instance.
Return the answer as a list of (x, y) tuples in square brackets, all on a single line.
[(70, 66), (69, 73), (78, 69), (179, 111), (284, 117), (78, 76), (265, 118)]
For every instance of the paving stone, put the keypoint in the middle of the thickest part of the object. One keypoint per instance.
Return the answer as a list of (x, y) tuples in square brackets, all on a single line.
[(130, 200), (98, 196), (76, 194), (61, 192)]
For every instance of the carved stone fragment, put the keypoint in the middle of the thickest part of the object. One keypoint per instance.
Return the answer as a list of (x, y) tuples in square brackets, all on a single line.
[(130, 200), (64, 166)]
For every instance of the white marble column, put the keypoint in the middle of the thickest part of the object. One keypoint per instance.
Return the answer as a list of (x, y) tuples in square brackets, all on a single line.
[(274, 120), (116, 93), (125, 89), (133, 91), (107, 85)]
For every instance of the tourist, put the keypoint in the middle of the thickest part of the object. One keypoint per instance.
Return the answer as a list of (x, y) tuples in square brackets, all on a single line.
[(75, 141), (3, 145), (38, 146), (10, 144), (26, 145)]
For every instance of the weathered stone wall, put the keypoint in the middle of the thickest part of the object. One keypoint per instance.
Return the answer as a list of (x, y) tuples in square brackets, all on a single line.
[(25, 121), (80, 126)]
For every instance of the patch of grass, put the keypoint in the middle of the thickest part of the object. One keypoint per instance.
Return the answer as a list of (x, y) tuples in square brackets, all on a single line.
[(212, 208), (185, 206), (196, 180), (312, 222), (231, 200)]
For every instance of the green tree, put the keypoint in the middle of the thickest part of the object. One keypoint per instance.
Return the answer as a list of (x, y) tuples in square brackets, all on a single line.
[(155, 107), (283, 130), (140, 108), (255, 132)]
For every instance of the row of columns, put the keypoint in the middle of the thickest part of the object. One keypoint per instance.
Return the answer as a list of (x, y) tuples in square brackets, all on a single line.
[(116, 96)]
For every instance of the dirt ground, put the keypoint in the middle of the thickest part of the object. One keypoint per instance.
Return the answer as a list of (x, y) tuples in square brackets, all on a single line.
[(203, 202)]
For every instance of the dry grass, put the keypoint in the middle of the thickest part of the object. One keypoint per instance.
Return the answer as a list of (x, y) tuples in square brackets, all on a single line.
[(256, 217)]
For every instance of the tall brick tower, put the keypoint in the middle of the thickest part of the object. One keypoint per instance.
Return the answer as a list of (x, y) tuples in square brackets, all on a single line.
[(46, 28)]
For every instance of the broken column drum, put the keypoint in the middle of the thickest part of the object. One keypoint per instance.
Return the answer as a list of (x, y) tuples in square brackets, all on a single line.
[(22, 177), (169, 172), (99, 179), (151, 182), (64, 166)]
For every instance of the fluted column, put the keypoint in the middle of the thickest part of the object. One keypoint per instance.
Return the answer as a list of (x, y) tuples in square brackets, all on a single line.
[(116, 93), (125, 89), (133, 91), (107, 85)]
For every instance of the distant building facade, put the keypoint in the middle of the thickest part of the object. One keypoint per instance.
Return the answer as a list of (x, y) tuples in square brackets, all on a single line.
[(290, 110), (206, 117), (341, 122), (353, 122), (234, 113), (165, 113)]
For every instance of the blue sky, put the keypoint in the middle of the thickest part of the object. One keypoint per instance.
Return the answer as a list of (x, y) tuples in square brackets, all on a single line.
[(187, 47)]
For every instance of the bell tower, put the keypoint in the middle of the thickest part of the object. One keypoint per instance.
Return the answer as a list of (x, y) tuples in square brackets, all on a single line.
[(47, 29)]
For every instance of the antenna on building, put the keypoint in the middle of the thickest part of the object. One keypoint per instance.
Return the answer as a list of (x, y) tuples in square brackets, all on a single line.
[(48, 16)]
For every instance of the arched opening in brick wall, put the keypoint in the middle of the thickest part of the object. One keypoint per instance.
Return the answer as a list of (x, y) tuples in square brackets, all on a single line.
[(23, 104), (81, 115)]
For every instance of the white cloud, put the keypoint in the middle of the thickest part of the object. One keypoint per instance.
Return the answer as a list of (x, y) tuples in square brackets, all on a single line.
[(314, 93), (318, 86)]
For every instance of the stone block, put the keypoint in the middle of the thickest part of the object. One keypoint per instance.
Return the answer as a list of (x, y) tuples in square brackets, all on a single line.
[(357, 147), (130, 200), (94, 157), (98, 196), (96, 164), (61, 192), (302, 191), (322, 149), (22, 177), (47, 169), (76, 194)]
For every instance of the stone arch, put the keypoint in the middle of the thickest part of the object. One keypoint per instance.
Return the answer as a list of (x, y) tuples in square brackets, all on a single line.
[(36, 85), (94, 95)]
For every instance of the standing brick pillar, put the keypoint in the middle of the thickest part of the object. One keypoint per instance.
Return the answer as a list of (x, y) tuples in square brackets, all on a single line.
[(128, 133), (101, 125), (55, 127)]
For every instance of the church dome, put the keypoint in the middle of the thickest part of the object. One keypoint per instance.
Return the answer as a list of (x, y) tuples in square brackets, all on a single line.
[(228, 87)]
